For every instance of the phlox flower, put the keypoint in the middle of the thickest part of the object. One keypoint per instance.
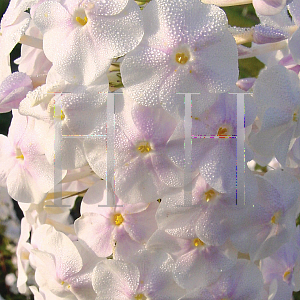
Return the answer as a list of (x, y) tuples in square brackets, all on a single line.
[(143, 170), (24, 167), (62, 266), (270, 216), (211, 216), (186, 48), (121, 231), (214, 141), (80, 38), (196, 263), (148, 275), (281, 270)]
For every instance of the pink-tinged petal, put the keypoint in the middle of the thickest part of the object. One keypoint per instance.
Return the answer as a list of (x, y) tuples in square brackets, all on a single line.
[(15, 8), (22, 187), (294, 9), (243, 281), (140, 226), (160, 240), (154, 123), (95, 196), (18, 127), (5, 62), (216, 223), (293, 42), (156, 275), (82, 64), (269, 7), (176, 219), (94, 231), (112, 7), (218, 163), (7, 158), (263, 142), (276, 87), (13, 90), (286, 184), (81, 283), (67, 263), (246, 83), (12, 32), (124, 246), (282, 145), (200, 267), (118, 34), (143, 71), (115, 280), (167, 171), (276, 117), (135, 182), (45, 274), (242, 241), (209, 65), (95, 152), (264, 34)]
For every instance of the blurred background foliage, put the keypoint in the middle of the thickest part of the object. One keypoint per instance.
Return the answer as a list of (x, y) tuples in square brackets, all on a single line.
[(241, 16)]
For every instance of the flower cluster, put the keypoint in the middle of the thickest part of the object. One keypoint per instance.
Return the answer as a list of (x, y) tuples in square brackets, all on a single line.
[(137, 108)]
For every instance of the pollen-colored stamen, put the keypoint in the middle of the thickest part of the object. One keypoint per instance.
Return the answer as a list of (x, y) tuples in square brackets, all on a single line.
[(19, 154), (222, 131), (118, 219), (81, 21), (295, 117), (140, 297), (275, 217), (181, 58), (62, 115), (198, 243), (209, 195), (144, 147), (287, 276)]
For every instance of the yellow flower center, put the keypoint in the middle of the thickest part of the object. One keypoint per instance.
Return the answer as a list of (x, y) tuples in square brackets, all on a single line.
[(209, 195), (140, 297), (81, 21), (19, 154), (181, 58), (65, 284), (295, 117), (62, 115), (276, 217), (198, 243), (144, 147), (80, 17), (224, 130), (287, 276), (118, 219)]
